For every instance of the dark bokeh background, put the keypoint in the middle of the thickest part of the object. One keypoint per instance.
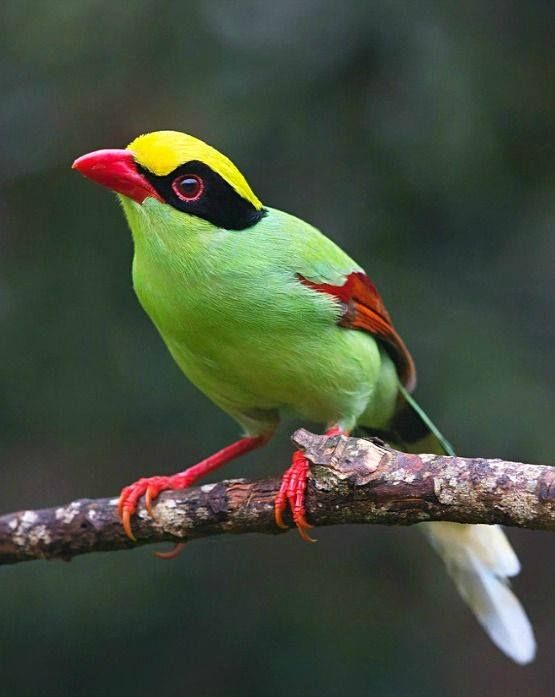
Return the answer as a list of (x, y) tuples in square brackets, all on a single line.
[(421, 137)]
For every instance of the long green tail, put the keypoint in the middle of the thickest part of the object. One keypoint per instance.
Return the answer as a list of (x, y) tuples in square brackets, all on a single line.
[(479, 558), (412, 423)]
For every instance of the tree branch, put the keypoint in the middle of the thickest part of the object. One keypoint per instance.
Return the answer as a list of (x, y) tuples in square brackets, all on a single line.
[(352, 481)]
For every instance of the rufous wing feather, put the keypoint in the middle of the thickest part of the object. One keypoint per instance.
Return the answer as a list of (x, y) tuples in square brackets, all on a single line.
[(364, 309)]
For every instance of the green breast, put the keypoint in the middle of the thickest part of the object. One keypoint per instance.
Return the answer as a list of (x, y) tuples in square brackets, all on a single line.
[(234, 316)]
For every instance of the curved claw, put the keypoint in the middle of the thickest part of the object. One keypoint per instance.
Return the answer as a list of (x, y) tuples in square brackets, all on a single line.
[(301, 521), (126, 522), (303, 525), (172, 553), (150, 494), (278, 516), (303, 533)]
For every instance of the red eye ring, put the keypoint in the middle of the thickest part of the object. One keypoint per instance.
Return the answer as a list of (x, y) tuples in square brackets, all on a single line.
[(188, 187)]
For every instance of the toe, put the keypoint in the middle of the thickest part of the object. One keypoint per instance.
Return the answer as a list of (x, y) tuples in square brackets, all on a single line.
[(150, 494), (304, 535), (126, 522), (278, 516), (302, 526), (301, 521), (172, 553)]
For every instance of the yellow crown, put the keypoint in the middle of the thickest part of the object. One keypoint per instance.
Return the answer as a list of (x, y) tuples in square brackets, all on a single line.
[(163, 151)]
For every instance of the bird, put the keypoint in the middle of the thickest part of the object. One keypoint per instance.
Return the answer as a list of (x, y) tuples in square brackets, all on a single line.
[(269, 318)]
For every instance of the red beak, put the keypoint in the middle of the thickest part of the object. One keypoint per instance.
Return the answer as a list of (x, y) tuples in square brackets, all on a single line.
[(116, 169)]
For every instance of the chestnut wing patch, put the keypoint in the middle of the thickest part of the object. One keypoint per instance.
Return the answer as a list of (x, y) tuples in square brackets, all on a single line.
[(364, 309)]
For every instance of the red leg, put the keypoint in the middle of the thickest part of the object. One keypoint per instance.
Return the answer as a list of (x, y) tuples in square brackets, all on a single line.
[(293, 488), (152, 486)]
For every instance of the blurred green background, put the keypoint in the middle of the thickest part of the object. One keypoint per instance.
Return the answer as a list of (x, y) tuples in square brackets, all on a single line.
[(421, 137)]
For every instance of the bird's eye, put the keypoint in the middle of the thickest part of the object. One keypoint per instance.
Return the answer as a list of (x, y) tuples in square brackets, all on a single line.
[(188, 187)]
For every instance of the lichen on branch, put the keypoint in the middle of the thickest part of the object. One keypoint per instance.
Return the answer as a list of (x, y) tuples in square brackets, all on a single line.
[(352, 480)]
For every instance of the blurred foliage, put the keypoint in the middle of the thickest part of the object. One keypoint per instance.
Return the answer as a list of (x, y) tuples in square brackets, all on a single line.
[(421, 137)]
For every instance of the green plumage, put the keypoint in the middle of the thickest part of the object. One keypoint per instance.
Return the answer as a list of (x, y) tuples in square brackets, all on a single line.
[(246, 331), (246, 300), (234, 315)]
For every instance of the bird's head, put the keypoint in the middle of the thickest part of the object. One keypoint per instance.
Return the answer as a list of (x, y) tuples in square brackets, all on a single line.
[(177, 170)]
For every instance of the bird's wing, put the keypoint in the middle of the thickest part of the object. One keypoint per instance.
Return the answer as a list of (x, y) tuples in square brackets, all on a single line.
[(364, 309)]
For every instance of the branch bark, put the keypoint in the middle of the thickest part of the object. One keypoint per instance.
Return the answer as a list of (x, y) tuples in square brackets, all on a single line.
[(352, 481)]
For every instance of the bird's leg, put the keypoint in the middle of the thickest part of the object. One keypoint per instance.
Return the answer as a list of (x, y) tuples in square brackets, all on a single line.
[(152, 486), (293, 488)]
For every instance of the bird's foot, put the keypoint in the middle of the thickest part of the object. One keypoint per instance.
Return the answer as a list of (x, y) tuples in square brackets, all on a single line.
[(293, 489), (150, 487), (292, 492)]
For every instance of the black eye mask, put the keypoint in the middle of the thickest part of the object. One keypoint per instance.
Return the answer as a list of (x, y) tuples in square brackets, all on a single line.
[(218, 202)]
